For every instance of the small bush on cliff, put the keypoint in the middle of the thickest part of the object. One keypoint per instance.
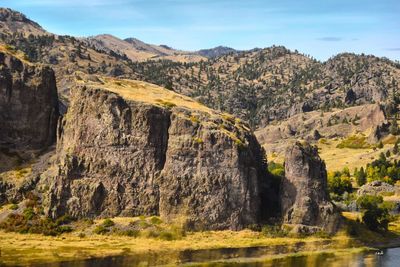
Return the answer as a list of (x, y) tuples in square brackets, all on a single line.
[(276, 169), (375, 215)]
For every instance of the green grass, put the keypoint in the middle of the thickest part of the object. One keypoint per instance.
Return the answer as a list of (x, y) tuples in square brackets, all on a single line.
[(354, 142)]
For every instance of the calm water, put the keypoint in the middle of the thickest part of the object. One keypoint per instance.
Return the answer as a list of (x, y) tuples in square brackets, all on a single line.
[(249, 257)]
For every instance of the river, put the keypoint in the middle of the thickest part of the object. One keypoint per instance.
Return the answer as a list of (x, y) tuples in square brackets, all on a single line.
[(249, 257)]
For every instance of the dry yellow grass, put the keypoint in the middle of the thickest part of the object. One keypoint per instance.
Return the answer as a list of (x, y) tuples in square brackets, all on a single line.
[(31, 248), (16, 176), (13, 52), (338, 158), (146, 92)]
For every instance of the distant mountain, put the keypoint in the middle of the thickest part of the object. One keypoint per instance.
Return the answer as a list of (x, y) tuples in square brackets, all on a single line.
[(216, 51), (137, 50)]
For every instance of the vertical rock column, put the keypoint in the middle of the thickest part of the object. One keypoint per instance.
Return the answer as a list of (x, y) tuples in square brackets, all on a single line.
[(304, 198)]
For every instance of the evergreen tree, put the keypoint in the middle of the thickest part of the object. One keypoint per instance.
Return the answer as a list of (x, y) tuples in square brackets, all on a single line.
[(394, 127), (395, 149), (361, 177)]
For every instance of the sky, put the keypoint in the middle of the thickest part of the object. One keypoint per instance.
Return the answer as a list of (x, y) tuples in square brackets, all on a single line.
[(320, 28)]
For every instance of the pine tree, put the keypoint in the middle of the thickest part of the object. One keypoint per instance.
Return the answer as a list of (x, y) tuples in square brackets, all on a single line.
[(394, 127), (361, 177), (395, 149)]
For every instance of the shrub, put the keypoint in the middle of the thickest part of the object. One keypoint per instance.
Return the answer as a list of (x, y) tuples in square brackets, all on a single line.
[(155, 220), (100, 230), (131, 233), (108, 223), (339, 183), (273, 231), (64, 229), (276, 169), (165, 235), (375, 214), (14, 207), (380, 144), (354, 142), (29, 213)]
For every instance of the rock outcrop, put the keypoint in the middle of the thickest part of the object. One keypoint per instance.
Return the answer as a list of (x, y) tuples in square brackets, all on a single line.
[(304, 198), (130, 156), (376, 188), (28, 105), (311, 126)]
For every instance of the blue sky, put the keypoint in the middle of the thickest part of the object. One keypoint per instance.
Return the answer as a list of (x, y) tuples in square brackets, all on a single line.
[(320, 28)]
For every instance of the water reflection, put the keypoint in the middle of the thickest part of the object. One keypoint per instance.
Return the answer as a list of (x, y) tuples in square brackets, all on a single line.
[(248, 257)]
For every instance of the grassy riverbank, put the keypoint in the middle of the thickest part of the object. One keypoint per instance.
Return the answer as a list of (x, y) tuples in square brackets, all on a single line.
[(25, 249), (22, 249)]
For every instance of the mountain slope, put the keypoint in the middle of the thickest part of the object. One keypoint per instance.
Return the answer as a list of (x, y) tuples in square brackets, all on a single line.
[(270, 84), (137, 50)]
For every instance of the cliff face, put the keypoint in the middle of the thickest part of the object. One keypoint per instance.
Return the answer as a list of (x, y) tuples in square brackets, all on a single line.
[(128, 157), (28, 120), (28, 105), (304, 198)]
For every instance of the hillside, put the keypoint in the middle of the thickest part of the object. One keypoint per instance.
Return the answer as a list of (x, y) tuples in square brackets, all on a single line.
[(260, 85), (270, 84)]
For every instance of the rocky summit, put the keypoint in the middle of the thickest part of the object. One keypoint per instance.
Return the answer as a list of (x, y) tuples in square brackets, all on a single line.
[(304, 198), (123, 152)]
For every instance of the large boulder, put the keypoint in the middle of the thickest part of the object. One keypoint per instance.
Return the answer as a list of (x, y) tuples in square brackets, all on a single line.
[(304, 198), (127, 156)]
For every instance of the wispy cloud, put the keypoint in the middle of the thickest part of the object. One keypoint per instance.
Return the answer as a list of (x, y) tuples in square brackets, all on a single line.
[(330, 39), (393, 49)]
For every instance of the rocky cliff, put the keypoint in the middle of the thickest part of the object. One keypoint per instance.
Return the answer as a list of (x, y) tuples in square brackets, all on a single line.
[(28, 105), (28, 120), (129, 153), (304, 198)]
